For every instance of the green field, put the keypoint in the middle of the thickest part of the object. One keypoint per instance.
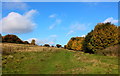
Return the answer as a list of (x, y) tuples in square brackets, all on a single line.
[(47, 60)]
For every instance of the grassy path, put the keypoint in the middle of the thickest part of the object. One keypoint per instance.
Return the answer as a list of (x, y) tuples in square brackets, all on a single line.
[(57, 61)]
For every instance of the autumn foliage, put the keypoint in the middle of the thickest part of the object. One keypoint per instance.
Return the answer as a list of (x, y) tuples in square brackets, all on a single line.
[(13, 39), (75, 43), (104, 35), (119, 34)]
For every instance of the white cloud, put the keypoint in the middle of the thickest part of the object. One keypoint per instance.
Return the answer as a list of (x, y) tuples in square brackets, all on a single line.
[(57, 22), (70, 32), (17, 23), (38, 41), (15, 5), (51, 40), (52, 16), (83, 35), (30, 13), (110, 19)]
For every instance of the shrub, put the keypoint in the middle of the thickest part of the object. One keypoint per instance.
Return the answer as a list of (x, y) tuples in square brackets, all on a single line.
[(52, 46), (33, 42), (86, 44), (11, 39), (47, 45), (118, 34), (75, 43), (58, 46), (109, 51), (103, 35), (26, 42), (65, 46)]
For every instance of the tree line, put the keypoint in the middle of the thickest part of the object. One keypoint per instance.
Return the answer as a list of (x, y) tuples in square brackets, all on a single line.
[(15, 39), (104, 35)]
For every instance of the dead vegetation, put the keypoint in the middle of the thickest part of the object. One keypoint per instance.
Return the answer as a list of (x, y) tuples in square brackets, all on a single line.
[(9, 48)]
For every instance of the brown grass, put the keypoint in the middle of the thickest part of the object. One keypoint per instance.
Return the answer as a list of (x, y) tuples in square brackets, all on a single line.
[(8, 48)]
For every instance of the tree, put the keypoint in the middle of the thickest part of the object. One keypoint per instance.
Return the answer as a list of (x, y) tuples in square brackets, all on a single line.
[(65, 46), (26, 42), (75, 43), (58, 46), (69, 44), (11, 39), (47, 45), (118, 34), (103, 35), (86, 43), (52, 46), (33, 42)]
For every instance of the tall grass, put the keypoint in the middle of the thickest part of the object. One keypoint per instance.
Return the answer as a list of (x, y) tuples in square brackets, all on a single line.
[(10, 48)]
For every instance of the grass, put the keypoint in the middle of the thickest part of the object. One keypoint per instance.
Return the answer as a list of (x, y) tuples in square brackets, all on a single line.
[(44, 60)]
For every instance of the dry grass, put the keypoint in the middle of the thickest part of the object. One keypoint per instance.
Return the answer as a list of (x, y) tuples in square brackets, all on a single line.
[(12, 48), (109, 51)]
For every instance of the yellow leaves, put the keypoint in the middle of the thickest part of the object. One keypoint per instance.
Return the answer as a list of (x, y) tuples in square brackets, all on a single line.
[(104, 35), (76, 43)]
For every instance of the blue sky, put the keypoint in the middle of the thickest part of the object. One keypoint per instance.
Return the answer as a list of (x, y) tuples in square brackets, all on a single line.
[(55, 22)]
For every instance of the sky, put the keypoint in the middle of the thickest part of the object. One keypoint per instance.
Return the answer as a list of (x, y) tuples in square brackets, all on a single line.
[(55, 22)]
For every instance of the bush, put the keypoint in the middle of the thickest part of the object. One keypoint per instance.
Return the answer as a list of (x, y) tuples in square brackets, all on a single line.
[(47, 45), (75, 43), (65, 46), (52, 46), (33, 42), (26, 42), (12, 39), (103, 36), (86, 43), (109, 51), (58, 46), (118, 34)]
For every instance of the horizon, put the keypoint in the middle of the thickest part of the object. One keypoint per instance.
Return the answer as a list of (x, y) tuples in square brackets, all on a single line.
[(55, 22)]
